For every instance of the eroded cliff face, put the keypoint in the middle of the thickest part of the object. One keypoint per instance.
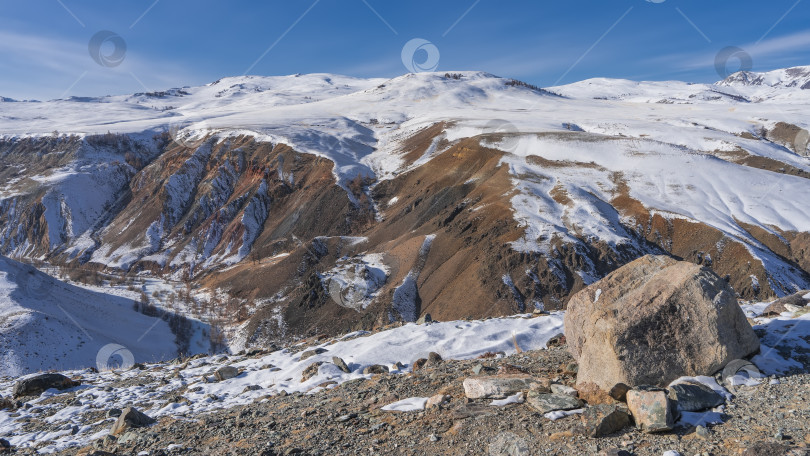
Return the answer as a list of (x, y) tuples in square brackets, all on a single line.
[(273, 226)]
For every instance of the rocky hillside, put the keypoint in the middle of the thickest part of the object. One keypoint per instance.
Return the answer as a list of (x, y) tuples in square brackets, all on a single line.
[(502, 386), (325, 204)]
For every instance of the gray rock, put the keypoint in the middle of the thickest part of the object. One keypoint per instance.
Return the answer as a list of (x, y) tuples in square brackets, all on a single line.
[(36, 385), (691, 397), (345, 418), (786, 304), (130, 418), (702, 432), (375, 369), (313, 352), (251, 388), (311, 371), (127, 437), (564, 390), (651, 408), (226, 373), (113, 413), (546, 402), (500, 386), (434, 358), (604, 419), (337, 361)]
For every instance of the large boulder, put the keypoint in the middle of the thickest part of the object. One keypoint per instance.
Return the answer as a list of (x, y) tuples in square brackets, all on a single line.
[(655, 320), (37, 384)]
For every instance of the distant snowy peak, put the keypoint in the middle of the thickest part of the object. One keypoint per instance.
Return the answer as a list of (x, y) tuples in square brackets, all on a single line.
[(796, 77), (670, 92)]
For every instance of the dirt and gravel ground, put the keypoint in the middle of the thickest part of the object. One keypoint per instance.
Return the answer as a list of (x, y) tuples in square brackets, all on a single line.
[(769, 419)]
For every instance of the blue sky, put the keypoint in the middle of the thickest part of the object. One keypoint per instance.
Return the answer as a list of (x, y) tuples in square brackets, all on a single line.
[(171, 43)]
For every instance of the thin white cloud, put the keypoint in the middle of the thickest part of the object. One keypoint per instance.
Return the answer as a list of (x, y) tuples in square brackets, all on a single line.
[(778, 49), (39, 67)]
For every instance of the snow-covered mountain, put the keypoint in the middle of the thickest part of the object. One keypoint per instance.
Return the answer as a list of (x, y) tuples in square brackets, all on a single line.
[(796, 77), (328, 203)]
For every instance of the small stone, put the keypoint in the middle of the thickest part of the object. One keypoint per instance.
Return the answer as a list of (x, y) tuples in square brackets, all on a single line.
[(226, 373), (545, 403), (480, 369), (251, 388), (109, 440), (127, 437), (593, 395), (433, 438), (310, 353), (702, 432), (5, 446), (557, 388), (619, 392), (345, 418), (435, 401), (130, 418), (556, 340), (338, 361), (310, 371), (113, 413), (651, 408), (375, 369), (434, 358), (419, 364), (691, 397), (604, 419)]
